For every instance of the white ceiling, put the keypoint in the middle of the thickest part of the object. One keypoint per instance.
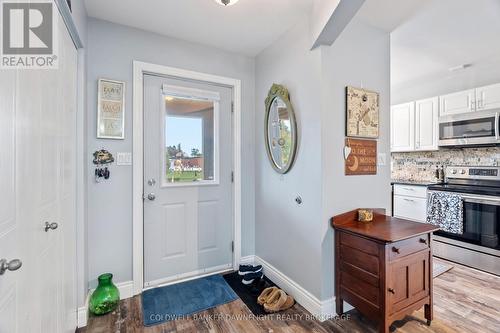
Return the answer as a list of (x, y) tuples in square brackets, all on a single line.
[(445, 34), (247, 27), (387, 15)]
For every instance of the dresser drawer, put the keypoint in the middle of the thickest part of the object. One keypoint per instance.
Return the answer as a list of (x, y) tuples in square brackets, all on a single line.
[(410, 208), (408, 246), (411, 191)]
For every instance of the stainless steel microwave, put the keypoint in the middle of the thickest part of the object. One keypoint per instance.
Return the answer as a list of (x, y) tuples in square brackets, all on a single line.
[(479, 128)]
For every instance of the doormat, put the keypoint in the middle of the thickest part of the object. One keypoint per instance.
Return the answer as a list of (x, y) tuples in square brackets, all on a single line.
[(179, 300), (439, 268), (249, 294)]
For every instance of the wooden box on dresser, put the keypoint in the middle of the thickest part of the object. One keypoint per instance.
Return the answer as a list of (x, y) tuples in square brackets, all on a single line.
[(384, 267)]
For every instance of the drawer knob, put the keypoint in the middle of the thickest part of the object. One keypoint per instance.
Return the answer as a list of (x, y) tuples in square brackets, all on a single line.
[(395, 249), (423, 240), (391, 290)]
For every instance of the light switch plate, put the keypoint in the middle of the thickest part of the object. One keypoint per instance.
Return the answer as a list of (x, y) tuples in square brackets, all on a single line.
[(123, 158)]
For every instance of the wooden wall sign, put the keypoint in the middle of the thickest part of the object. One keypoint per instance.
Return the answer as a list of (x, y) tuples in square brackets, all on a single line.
[(362, 157)]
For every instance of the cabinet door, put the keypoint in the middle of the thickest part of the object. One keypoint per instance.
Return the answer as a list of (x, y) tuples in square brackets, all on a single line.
[(488, 97), (456, 103), (408, 281), (403, 127), (426, 124)]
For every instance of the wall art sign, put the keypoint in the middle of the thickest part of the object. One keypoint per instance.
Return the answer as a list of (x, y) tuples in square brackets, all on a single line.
[(362, 119), (362, 157), (110, 109)]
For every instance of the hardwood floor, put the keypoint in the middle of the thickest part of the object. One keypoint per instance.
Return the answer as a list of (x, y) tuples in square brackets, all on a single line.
[(465, 300)]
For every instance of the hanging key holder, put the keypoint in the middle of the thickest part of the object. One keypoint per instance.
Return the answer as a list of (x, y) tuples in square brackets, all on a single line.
[(102, 160)]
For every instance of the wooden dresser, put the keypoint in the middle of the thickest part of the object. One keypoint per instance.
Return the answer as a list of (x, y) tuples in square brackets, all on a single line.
[(383, 268)]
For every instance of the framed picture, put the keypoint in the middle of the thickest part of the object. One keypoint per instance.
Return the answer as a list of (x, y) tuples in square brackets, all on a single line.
[(362, 157), (110, 109), (362, 118)]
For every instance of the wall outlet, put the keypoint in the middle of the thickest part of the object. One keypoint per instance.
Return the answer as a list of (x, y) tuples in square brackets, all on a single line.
[(382, 159), (123, 158)]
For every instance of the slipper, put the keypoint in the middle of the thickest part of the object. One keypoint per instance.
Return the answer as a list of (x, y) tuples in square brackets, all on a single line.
[(275, 301), (266, 293)]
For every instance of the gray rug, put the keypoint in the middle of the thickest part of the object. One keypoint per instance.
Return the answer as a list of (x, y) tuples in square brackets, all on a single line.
[(439, 268)]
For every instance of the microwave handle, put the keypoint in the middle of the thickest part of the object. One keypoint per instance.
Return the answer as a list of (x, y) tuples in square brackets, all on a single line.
[(497, 125)]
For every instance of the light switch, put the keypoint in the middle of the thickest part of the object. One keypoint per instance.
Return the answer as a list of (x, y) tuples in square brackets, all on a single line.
[(123, 158)]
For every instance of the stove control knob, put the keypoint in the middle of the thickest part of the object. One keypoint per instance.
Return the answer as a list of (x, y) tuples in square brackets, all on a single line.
[(454, 171), (462, 172)]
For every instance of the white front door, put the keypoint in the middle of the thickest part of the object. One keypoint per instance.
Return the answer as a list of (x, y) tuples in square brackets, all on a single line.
[(37, 182), (188, 190)]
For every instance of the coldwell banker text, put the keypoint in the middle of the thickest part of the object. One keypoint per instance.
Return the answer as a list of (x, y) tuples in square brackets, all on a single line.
[(29, 38)]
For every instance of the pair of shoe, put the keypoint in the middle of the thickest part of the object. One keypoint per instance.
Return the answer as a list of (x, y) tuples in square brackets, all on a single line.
[(274, 299), (250, 273)]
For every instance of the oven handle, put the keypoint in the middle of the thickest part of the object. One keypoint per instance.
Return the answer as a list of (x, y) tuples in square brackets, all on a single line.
[(488, 200)]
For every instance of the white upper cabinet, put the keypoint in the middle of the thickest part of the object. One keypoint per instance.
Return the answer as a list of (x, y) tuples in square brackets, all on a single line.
[(488, 97), (426, 124), (456, 103), (403, 127)]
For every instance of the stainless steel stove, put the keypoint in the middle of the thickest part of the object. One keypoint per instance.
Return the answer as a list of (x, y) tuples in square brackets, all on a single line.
[(479, 245)]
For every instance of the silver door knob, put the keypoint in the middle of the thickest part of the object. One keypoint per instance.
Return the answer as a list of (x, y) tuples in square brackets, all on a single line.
[(12, 265), (151, 196), (50, 226)]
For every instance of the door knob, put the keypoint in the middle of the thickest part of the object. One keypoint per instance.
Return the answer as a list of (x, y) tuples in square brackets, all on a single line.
[(391, 291), (12, 265), (151, 196), (50, 226)]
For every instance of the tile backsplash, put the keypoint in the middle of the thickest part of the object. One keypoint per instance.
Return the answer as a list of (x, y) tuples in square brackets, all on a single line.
[(421, 166)]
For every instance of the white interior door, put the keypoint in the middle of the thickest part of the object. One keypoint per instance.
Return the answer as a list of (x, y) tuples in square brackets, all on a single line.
[(188, 208), (37, 178)]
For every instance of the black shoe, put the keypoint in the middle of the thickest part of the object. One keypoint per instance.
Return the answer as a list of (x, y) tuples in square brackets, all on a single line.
[(247, 269), (251, 277)]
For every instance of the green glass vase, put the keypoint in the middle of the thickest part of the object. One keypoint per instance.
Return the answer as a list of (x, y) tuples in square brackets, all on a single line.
[(106, 296)]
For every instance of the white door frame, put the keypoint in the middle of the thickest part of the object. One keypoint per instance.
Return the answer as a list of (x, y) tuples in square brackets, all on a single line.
[(139, 69)]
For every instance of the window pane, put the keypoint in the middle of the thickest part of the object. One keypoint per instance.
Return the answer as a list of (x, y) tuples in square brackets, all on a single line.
[(189, 140)]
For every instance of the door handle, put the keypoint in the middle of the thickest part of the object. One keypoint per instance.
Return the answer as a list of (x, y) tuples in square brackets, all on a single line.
[(12, 265), (50, 226), (151, 196)]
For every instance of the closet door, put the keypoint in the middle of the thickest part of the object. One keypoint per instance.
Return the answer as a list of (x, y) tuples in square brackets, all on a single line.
[(37, 178)]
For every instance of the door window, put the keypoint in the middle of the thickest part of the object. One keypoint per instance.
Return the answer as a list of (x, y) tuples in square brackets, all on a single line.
[(190, 141)]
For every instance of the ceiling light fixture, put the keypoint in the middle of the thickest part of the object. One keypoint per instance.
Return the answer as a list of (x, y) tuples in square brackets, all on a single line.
[(226, 2)]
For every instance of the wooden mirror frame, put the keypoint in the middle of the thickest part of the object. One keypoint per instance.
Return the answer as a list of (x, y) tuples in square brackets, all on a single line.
[(280, 91)]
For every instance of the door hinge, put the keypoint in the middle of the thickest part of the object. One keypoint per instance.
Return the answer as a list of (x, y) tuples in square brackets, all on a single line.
[(232, 246), (232, 176), (232, 107)]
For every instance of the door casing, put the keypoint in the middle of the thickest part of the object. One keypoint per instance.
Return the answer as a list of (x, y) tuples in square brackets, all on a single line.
[(139, 69)]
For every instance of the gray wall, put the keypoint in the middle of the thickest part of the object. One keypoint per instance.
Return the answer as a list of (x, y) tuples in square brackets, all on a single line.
[(111, 51), (287, 234), (360, 57), (298, 239)]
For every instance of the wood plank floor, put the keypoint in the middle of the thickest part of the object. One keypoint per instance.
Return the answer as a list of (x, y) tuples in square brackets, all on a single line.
[(465, 300)]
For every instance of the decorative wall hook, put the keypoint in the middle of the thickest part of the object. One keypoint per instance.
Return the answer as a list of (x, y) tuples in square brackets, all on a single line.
[(102, 159)]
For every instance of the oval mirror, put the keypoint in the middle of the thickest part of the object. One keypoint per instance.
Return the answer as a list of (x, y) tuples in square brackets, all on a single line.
[(280, 129)]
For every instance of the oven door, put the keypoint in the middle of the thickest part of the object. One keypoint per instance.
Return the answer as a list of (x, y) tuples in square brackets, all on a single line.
[(464, 130), (481, 221)]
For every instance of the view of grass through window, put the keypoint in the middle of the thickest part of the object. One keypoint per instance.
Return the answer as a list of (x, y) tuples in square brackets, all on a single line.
[(188, 140)]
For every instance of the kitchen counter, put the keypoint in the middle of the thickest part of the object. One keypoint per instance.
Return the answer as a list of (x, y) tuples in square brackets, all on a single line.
[(413, 182)]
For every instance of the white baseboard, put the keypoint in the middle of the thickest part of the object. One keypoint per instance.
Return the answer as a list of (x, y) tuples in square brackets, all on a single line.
[(322, 310), (126, 291), (247, 260)]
